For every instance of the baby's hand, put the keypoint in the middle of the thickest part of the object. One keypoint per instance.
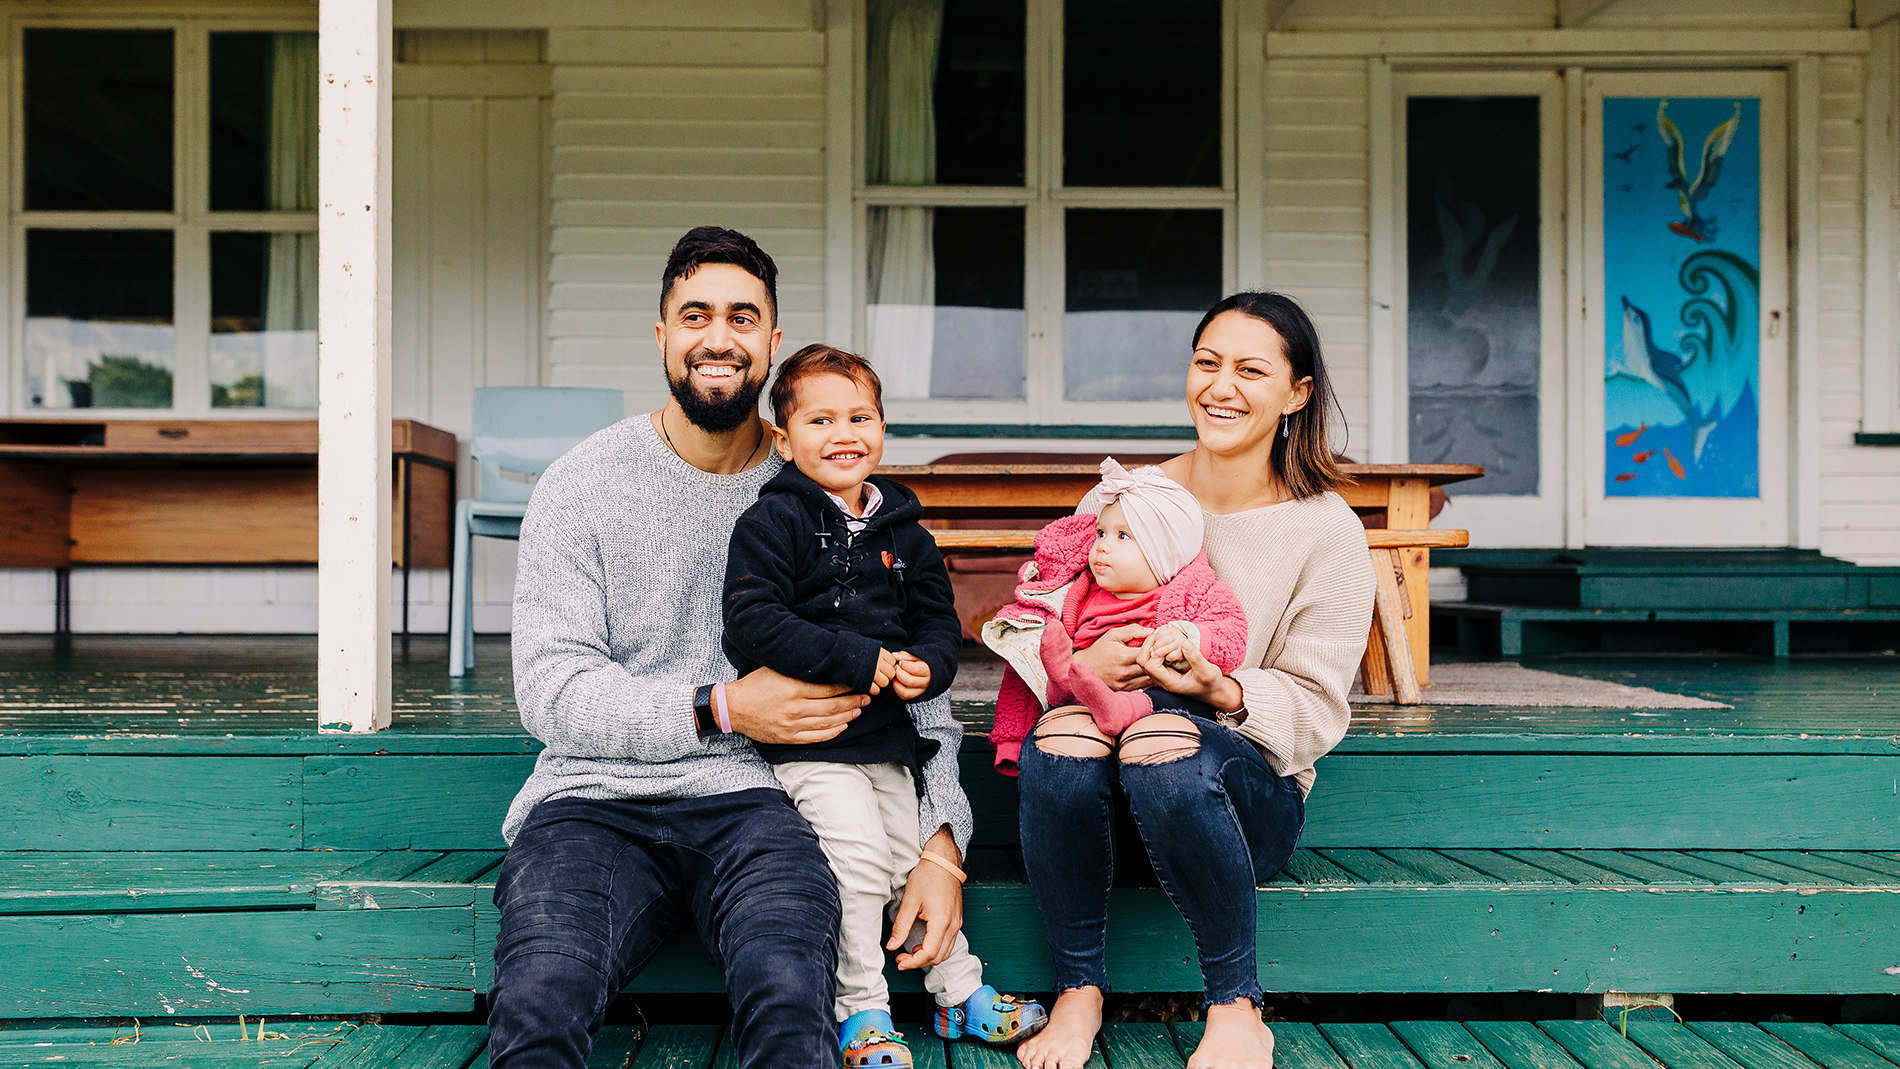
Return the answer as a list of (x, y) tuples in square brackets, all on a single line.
[(913, 676), (886, 670), (1170, 643)]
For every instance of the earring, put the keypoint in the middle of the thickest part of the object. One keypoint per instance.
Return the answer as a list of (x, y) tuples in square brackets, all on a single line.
[(1286, 429)]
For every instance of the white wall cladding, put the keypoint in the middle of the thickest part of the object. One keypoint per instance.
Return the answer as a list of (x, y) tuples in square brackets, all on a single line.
[(1860, 485), (1387, 16), (471, 247), (655, 132), (1317, 215)]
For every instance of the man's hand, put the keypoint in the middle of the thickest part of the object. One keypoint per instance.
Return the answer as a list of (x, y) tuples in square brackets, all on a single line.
[(913, 676), (1115, 661), (886, 670), (936, 897), (768, 707)]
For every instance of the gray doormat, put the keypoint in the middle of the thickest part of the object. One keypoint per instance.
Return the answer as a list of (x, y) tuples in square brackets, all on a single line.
[(1508, 683)]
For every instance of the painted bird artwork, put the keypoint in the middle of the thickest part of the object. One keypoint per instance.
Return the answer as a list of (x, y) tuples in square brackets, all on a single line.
[(1643, 359), (1690, 192)]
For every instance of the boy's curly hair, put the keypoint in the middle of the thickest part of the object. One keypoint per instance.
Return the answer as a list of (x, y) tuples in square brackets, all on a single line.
[(820, 359)]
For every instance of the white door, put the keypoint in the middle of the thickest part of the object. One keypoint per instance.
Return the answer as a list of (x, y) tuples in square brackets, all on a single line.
[(1685, 434), (1478, 295)]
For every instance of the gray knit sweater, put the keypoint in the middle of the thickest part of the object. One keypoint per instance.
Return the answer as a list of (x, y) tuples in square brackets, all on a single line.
[(617, 620)]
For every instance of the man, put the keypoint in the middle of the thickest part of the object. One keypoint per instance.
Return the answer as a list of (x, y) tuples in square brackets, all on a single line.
[(644, 811)]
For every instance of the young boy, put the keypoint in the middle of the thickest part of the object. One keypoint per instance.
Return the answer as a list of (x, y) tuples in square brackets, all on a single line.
[(830, 579)]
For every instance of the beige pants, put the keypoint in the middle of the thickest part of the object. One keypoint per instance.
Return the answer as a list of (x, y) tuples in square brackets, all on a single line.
[(866, 820)]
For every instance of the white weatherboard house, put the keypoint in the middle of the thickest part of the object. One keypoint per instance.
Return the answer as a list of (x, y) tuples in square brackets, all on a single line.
[(1637, 257)]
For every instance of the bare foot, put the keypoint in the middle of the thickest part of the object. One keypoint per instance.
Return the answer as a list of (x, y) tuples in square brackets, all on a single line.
[(1236, 1038), (1069, 1038)]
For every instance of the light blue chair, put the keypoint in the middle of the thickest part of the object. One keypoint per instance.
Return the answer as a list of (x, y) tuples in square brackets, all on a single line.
[(518, 432)]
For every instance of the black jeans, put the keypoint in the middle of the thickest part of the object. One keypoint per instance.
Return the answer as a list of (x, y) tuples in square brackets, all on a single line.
[(590, 889), (1215, 825)]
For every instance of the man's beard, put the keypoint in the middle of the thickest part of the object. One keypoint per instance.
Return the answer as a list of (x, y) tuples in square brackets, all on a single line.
[(718, 414)]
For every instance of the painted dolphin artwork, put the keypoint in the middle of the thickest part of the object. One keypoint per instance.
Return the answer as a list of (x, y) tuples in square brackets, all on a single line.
[(1642, 359), (1691, 192)]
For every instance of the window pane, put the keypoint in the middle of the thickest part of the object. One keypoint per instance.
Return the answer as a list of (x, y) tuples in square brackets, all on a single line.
[(1139, 280), (945, 311), (1472, 325), (99, 318), (263, 121), (1141, 93), (99, 120), (263, 320), (944, 92)]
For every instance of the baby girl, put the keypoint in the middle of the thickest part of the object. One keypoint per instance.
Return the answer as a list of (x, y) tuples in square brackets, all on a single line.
[(1138, 562)]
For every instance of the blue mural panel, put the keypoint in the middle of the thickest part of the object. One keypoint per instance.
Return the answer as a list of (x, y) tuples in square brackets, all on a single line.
[(1682, 282)]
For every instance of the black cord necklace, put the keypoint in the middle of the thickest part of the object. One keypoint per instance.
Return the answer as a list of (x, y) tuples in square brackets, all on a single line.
[(682, 456)]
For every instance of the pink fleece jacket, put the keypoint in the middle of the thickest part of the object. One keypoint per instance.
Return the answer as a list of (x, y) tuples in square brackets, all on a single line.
[(1062, 557)]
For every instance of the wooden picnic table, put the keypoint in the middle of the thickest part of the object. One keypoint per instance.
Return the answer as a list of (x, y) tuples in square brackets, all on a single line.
[(1038, 491)]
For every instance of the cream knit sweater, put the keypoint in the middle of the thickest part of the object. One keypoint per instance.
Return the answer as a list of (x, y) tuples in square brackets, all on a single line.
[(1301, 570)]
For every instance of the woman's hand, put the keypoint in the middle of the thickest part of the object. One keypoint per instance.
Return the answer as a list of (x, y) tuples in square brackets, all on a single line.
[(934, 896), (1202, 680), (1115, 661)]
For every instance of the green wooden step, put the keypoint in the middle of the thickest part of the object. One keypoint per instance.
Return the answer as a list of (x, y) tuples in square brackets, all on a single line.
[(271, 933), (1485, 627), (1297, 1045)]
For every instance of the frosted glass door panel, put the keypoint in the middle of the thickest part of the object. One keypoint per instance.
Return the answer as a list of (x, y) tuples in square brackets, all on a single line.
[(1473, 338)]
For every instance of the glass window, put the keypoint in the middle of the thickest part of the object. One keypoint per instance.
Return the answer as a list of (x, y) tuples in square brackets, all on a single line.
[(944, 92), (263, 121), (944, 317), (1141, 93), (1472, 311), (98, 115), (1139, 280), (1029, 286), (263, 320), (99, 318)]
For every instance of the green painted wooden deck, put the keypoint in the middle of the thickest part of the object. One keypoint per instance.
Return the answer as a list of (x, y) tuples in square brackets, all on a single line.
[(180, 839), (1298, 1045)]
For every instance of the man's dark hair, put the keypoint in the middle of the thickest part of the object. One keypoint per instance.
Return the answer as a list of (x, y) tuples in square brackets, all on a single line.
[(820, 359), (716, 245)]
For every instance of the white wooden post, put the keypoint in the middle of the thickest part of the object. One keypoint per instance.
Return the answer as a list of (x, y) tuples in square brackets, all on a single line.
[(353, 362)]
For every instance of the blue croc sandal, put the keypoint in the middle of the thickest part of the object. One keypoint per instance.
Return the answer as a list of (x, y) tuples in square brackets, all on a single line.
[(867, 1038), (991, 1018)]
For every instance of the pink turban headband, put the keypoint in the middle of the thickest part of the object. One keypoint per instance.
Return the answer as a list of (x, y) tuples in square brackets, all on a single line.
[(1162, 515)]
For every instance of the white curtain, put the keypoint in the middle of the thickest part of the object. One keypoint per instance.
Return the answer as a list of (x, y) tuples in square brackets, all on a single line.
[(901, 149), (290, 291)]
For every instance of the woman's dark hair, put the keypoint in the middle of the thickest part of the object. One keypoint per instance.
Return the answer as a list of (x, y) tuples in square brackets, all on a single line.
[(716, 245), (1303, 458)]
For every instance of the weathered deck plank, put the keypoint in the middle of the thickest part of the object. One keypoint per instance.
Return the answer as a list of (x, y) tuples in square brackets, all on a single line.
[(1521, 1045), (1825, 1046), (1749, 1046)]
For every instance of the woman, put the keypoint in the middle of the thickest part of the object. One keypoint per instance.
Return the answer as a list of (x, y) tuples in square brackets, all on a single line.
[(1218, 803)]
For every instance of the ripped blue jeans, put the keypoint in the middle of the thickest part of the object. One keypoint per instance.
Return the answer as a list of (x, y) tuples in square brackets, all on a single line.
[(1215, 824)]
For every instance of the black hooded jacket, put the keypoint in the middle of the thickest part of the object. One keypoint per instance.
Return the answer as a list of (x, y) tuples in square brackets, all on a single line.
[(814, 602)]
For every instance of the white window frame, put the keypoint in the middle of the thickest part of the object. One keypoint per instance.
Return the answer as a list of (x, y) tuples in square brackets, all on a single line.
[(191, 220), (1880, 368), (1044, 200)]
